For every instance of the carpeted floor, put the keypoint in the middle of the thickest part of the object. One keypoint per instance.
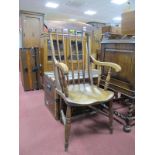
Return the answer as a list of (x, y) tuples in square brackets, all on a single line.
[(41, 134)]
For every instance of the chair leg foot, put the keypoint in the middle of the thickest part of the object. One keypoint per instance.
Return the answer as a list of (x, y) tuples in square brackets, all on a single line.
[(67, 127), (110, 117), (111, 130), (66, 147), (127, 128)]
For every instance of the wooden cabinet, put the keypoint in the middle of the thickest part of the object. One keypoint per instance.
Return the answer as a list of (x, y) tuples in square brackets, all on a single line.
[(64, 47), (31, 24), (121, 52), (30, 68)]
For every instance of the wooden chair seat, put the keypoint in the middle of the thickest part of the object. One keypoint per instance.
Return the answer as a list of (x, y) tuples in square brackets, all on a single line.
[(86, 94)]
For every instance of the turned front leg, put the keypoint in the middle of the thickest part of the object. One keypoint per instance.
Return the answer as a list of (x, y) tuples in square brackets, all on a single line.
[(110, 117), (67, 126)]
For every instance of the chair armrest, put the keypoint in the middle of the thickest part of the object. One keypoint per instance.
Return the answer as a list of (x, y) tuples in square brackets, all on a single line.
[(108, 64), (63, 67)]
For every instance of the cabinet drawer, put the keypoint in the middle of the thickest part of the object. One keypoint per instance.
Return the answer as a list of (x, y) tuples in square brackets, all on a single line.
[(49, 85), (50, 95), (52, 106)]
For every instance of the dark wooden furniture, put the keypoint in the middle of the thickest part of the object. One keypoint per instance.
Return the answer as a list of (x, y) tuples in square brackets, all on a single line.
[(80, 93), (30, 68), (50, 94), (122, 52), (31, 24)]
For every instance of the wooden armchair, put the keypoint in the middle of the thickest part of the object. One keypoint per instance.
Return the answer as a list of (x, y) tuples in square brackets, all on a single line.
[(73, 87)]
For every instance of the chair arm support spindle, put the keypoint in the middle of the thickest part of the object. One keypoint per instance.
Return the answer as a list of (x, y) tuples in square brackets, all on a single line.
[(107, 79)]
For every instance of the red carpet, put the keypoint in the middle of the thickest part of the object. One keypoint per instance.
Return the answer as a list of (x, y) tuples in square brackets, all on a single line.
[(41, 134)]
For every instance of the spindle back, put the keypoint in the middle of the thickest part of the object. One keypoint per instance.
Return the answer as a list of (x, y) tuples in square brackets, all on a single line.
[(77, 63)]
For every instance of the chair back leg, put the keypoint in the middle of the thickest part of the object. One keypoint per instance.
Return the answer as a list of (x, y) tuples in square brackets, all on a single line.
[(67, 127), (111, 116)]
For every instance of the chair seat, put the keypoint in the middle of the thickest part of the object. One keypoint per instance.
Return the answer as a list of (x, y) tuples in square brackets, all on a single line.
[(86, 94)]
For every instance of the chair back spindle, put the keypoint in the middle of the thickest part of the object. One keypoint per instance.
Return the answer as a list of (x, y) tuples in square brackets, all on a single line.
[(89, 67), (64, 50), (77, 57), (64, 47), (83, 58), (71, 59), (58, 46), (58, 85), (62, 79)]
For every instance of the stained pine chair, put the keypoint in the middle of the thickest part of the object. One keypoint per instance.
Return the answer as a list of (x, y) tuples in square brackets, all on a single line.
[(75, 85)]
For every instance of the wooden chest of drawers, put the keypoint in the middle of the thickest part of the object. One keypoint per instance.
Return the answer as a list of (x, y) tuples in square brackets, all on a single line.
[(50, 94)]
